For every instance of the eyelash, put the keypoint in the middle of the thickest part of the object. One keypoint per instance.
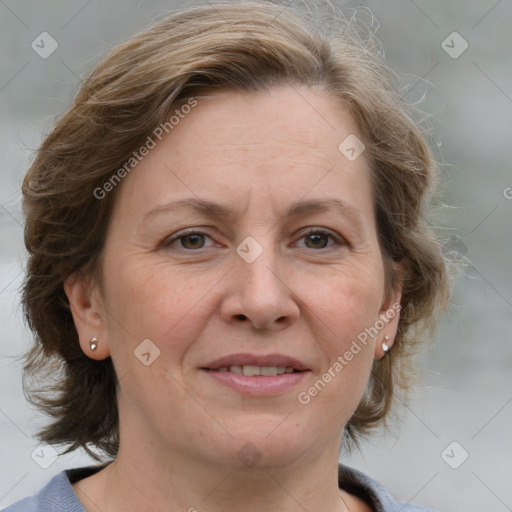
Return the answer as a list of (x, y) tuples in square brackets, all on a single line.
[(311, 231)]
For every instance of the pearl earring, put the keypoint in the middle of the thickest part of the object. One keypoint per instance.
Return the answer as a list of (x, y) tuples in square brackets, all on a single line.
[(385, 346), (93, 344)]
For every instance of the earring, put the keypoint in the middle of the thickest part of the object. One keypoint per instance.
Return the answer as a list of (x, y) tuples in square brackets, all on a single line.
[(385, 346), (93, 343)]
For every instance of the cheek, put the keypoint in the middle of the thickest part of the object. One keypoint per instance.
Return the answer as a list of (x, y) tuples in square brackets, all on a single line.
[(348, 302), (343, 311), (346, 306), (157, 302)]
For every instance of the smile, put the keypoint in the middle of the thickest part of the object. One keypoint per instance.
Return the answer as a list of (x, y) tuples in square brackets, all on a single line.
[(254, 371)]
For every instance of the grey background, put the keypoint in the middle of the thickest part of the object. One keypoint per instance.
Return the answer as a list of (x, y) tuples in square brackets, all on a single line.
[(466, 394)]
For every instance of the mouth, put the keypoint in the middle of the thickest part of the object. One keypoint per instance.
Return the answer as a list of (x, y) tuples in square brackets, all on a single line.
[(254, 365), (257, 371), (257, 375)]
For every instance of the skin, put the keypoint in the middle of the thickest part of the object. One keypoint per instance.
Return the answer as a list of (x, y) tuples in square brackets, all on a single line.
[(196, 299)]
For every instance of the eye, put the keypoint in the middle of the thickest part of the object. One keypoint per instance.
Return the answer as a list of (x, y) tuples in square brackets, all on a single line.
[(318, 239), (195, 240), (189, 240)]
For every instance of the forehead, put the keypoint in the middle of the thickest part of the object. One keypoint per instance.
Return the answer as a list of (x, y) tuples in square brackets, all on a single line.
[(281, 144), (291, 122)]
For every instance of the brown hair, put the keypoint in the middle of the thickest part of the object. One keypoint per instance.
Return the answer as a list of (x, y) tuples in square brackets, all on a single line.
[(243, 46)]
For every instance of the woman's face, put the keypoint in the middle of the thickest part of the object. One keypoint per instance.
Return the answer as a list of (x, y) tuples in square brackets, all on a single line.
[(244, 240)]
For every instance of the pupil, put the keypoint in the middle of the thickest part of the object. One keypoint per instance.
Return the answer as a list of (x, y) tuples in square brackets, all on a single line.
[(316, 238), (195, 238)]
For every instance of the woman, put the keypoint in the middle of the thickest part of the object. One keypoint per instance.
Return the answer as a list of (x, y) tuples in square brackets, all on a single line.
[(229, 266)]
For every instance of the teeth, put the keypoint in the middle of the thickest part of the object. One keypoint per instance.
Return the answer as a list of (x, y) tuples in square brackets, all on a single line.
[(250, 371), (268, 371), (254, 371)]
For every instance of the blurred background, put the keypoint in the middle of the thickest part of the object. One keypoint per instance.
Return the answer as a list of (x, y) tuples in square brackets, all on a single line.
[(452, 448)]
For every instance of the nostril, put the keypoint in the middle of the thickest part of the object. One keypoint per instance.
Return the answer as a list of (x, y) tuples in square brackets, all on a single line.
[(241, 317)]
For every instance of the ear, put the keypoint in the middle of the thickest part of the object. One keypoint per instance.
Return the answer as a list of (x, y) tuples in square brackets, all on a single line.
[(88, 314), (389, 313)]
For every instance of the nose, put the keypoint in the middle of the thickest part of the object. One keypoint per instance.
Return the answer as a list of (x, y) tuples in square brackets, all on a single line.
[(260, 294)]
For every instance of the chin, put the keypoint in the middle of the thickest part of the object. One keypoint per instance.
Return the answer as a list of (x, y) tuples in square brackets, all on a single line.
[(261, 441)]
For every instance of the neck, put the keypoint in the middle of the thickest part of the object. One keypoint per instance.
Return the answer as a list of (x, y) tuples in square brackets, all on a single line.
[(167, 483)]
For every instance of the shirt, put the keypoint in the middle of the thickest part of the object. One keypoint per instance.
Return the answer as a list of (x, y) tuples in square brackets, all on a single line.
[(58, 495)]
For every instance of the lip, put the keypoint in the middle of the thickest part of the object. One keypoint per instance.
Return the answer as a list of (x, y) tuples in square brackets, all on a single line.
[(256, 360), (257, 385)]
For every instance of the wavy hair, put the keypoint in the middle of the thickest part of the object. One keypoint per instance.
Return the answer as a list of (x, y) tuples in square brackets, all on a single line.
[(246, 45)]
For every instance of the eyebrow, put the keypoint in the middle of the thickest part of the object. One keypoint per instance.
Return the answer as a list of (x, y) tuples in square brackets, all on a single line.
[(224, 212)]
